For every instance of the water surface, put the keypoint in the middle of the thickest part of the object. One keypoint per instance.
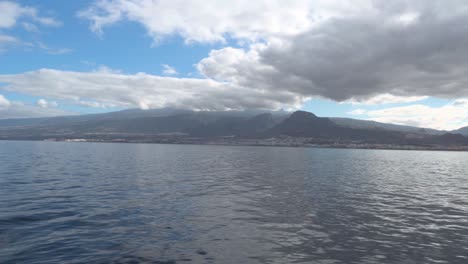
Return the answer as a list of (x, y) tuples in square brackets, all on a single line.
[(143, 203)]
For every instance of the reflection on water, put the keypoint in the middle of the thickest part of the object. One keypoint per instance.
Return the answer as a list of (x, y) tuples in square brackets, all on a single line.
[(137, 203)]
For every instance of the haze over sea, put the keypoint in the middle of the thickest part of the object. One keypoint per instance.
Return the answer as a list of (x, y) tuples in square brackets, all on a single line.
[(146, 203)]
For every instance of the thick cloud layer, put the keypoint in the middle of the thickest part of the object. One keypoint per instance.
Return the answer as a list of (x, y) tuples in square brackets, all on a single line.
[(327, 49), (21, 110), (447, 117), (402, 49), (14, 109), (367, 51), (107, 88), (205, 20)]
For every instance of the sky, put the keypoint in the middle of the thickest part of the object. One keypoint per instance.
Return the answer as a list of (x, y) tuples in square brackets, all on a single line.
[(401, 61)]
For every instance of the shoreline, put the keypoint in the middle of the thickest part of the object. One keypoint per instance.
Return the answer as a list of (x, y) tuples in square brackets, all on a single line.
[(291, 145)]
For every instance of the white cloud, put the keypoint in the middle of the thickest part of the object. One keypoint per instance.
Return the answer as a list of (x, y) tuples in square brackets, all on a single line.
[(21, 110), (216, 20), (407, 18), (4, 103), (145, 91), (16, 109), (42, 103), (448, 117), (386, 99), (104, 69), (357, 112), (367, 51), (11, 12), (46, 104), (53, 51), (366, 58), (30, 27), (461, 102), (95, 104), (48, 21), (8, 41), (169, 70)]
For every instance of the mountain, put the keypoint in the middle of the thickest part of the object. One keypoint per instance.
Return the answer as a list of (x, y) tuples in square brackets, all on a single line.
[(373, 125), (450, 139), (462, 131), (143, 122), (304, 124), (308, 125), (230, 127)]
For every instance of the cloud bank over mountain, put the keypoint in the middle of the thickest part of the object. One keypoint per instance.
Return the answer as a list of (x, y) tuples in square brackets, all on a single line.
[(144, 91), (367, 51)]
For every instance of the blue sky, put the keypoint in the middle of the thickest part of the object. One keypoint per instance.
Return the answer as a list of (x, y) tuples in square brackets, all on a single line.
[(75, 57), (125, 46)]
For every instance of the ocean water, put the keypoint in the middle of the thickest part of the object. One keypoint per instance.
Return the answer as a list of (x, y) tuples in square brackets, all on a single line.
[(143, 203)]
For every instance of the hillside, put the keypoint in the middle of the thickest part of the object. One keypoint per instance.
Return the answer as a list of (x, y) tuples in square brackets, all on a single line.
[(176, 126)]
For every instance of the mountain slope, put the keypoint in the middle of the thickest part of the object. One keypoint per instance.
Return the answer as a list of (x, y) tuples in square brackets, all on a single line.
[(462, 131), (155, 125), (373, 125), (304, 124), (308, 125), (199, 124)]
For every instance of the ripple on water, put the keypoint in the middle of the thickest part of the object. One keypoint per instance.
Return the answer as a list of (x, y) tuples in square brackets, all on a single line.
[(137, 203)]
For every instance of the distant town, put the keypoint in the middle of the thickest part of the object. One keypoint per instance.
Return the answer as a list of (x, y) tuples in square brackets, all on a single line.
[(273, 142)]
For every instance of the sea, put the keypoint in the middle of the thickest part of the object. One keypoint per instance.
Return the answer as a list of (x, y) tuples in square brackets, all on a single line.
[(66, 202)]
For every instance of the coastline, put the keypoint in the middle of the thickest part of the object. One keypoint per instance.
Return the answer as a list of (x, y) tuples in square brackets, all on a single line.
[(258, 143)]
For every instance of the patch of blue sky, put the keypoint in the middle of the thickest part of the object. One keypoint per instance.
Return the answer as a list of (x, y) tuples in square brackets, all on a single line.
[(435, 102), (326, 108), (125, 46), (17, 97), (329, 108)]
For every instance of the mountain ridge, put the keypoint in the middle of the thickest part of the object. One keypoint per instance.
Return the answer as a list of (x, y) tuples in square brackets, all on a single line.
[(172, 125)]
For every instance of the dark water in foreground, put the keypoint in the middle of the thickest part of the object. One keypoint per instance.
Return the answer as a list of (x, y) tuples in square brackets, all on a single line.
[(130, 203)]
